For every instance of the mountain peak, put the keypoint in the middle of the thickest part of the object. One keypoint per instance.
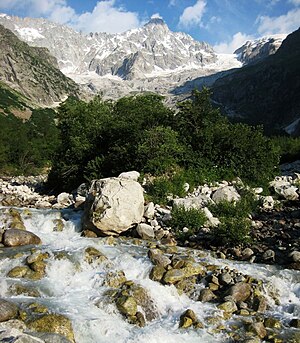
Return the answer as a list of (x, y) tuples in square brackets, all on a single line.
[(156, 21)]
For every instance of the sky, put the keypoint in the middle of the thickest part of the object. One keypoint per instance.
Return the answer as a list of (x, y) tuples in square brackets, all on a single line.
[(225, 24)]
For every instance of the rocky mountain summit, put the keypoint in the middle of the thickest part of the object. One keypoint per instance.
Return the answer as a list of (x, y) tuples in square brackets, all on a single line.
[(253, 51), (32, 71)]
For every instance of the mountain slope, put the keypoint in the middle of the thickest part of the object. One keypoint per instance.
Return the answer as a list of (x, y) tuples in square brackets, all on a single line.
[(255, 50), (32, 71), (266, 92)]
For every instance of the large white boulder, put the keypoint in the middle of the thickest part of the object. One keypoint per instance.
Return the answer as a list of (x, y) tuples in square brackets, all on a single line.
[(131, 175), (113, 206), (227, 193)]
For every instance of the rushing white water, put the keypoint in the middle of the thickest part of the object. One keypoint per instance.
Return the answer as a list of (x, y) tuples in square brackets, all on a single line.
[(75, 288)]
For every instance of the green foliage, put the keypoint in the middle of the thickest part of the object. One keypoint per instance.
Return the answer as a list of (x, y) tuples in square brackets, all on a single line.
[(232, 230), (234, 218), (104, 138), (192, 219), (289, 148), (27, 147)]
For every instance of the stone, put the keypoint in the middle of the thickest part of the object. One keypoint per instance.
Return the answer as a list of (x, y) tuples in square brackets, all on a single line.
[(283, 187), (13, 324), (53, 323), (272, 323), (8, 310), (131, 175), (269, 255), (268, 203), (247, 253), (113, 206), (58, 225), (191, 269), (227, 193), (207, 295), (92, 255), (127, 305), (15, 237), (157, 257), (149, 210), (195, 202), (173, 275), (225, 279), (157, 273), (16, 336), (187, 319), (64, 199), (145, 231), (295, 256), (18, 272), (19, 289), (228, 306), (140, 319), (115, 279), (258, 329), (241, 291)]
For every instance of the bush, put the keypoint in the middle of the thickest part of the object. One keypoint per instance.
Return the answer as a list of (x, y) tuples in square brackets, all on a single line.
[(192, 219), (232, 230)]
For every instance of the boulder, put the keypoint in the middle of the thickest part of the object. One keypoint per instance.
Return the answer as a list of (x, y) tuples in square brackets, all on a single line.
[(15, 237), (145, 231), (283, 187), (64, 200), (157, 258), (113, 206), (227, 193), (8, 310), (16, 336), (53, 323), (240, 291), (131, 175)]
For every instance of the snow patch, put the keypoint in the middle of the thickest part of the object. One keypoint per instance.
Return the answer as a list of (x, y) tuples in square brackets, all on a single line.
[(29, 34)]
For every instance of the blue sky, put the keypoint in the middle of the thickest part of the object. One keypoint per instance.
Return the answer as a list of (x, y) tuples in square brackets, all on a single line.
[(225, 24)]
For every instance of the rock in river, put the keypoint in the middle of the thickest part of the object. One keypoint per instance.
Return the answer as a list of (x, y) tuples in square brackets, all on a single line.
[(15, 237)]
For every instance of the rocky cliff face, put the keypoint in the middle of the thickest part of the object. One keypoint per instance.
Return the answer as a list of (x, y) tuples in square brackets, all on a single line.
[(266, 92), (32, 71), (253, 51)]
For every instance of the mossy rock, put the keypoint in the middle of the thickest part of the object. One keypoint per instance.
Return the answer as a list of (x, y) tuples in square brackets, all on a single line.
[(115, 279), (186, 286), (19, 272), (127, 305), (19, 289), (37, 256), (53, 323), (58, 225), (92, 255), (157, 273)]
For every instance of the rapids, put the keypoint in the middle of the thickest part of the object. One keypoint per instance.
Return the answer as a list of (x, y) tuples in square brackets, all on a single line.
[(75, 288)]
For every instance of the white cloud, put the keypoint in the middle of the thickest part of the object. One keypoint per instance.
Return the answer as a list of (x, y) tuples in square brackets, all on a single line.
[(295, 2), (236, 42), (105, 17), (285, 23), (156, 16), (192, 15)]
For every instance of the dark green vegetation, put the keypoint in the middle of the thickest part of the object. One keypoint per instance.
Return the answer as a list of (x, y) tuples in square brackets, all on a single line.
[(104, 138), (266, 92), (27, 147), (32, 71), (191, 220)]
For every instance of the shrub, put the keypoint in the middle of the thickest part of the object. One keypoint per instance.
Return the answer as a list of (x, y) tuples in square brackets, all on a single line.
[(192, 219)]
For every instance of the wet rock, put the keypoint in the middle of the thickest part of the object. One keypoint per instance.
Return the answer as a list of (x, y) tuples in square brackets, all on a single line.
[(145, 231), (247, 253), (92, 255), (240, 291), (19, 289), (53, 323), (141, 322), (115, 279), (58, 225), (19, 272), (127, 305), (8, 310), (186, 286), (13, 324), (14, 237), (260, 304), (187, 319), (157, 273), (113, 206), (173, 275), (64, 200), (207, 295), (16, 336), (225, 279), (257, 329), (156, 256), (37, 257), (269, 255), (228, 306)]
